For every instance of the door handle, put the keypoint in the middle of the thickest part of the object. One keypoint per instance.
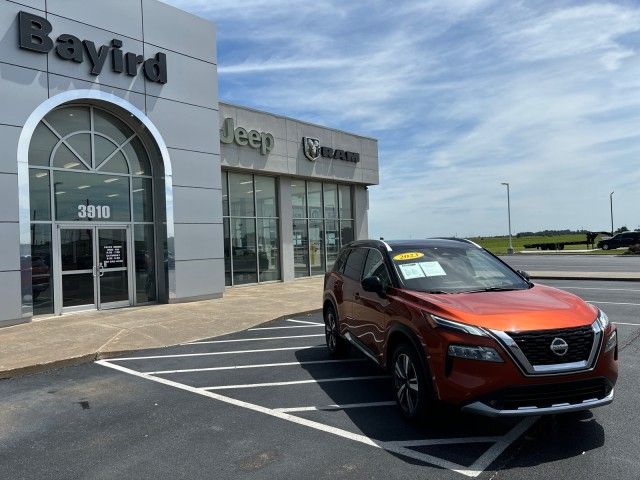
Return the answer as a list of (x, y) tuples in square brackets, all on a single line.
[(101, 268), (93, 270)]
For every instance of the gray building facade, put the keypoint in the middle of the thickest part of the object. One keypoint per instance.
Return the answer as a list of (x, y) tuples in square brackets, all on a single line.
[(124, 182)]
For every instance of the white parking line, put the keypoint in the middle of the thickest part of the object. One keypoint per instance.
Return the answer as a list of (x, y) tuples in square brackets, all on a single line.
[(445, 441), (180, 355), (613, 303), (294, 382), (473, 471), (285, 327), (262, 365), (334, 406), (206, 342), (624, 323), (598, 288), (304, 321)]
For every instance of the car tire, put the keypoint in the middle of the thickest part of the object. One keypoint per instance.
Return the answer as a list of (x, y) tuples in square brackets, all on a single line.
[(337, 346), (605, 246), (412, 391)]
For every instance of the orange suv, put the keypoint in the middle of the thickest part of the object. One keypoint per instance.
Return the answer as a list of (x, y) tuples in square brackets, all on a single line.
[(454, 323)]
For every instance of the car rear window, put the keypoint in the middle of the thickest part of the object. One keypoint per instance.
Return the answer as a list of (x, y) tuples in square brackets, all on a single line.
[(355, 263)]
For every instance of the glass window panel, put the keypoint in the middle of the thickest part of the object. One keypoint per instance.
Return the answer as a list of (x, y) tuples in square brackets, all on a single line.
[(114, 286), (299, 199), (138, 158), (69, 120), (332, 238), (225, 195), (39, 194), (266, 196), (330, 200), (110, 126), (355, 263), (345, 201), (314, 199), (103, 148), (142, 200), (145, 263), (77, 289), (41, 271), (227, 253), (41, 146), (241, 195), (117, 164), (64, 158), (81, 143), (316, 247), (346, 232), (268, 250), (375, 267), (300, 248), (76, 249), (75, 193), (243, 243)]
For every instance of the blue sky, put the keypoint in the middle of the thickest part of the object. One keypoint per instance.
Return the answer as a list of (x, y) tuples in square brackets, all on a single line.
[(462, 95)]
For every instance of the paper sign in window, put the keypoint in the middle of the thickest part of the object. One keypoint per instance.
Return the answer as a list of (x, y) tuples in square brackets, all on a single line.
[(421, 270), (432, 269)]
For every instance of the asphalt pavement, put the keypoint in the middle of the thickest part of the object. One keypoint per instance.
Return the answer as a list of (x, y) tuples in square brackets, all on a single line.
[(268, 403), (575, 263)]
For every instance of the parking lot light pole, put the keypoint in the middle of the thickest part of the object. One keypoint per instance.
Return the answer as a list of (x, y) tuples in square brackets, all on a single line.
[(510, 249), (611, 205)]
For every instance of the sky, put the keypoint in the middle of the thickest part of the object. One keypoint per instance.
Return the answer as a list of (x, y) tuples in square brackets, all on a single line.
[(462, 95)]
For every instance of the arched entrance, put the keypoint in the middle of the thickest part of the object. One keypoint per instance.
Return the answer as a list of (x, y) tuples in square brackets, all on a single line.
[(97, 199)]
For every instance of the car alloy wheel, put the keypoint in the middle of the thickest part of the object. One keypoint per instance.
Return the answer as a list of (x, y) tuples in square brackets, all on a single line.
[(331, 331), (406, 384), (605, 246)]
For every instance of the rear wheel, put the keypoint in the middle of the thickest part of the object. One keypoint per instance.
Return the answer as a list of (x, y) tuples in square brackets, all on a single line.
[(410, 385), (337, 345)]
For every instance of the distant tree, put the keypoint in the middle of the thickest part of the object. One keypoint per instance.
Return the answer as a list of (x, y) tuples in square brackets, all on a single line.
[(622, 229)]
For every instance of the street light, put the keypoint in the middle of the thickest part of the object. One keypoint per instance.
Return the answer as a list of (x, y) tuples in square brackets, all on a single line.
[(510, 249), (611, 205)]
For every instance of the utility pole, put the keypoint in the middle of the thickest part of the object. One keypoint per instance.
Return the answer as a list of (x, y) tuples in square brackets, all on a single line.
[(510, 249), (611, 205)]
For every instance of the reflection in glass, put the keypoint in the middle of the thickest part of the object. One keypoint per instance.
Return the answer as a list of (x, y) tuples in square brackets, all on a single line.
[(243, 243), (112, 248), (72, 189), (314, 199), (144, 252), (138, 158), (330, 200), (266, 196), (77, 289), (39, 194), (316, 247), (225, 195), (300, 248), (81, 144), (76, 249), (345, 201), (268, 250), (142, 200), (114, 287), (66, 120), (65, 158), (41, 271), (103, 148), (227, 253), (346, 232), (332, 240), (241, 195), (299, 199), (116, 164), (111, 126), (41, 146)]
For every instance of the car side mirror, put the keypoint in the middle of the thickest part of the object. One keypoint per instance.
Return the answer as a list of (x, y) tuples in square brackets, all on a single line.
[(524, 275), (373, 284)]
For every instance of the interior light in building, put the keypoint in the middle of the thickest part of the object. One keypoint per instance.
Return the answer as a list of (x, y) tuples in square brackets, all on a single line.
[(60, 193), (71, 164), (138, 190), (246, 183), (111, 195), (109, 180), (41, 174), (82, 187)]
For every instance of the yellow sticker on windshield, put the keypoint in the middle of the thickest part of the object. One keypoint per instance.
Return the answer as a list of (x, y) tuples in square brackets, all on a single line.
[(408, 256)]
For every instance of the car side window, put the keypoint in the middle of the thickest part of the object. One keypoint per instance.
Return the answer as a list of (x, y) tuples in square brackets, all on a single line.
[(354, 264), (341, 260), (375, 267)]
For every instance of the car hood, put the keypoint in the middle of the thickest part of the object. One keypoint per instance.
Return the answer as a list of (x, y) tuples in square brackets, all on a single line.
[(537, 308)]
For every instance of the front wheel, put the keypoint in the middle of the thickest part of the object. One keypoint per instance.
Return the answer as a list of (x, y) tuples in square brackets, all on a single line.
[(337, 345), (605, 246), (411, 388)]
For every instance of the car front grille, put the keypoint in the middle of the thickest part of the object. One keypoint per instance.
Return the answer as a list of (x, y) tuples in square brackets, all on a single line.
[(536, 345), (543, 396)]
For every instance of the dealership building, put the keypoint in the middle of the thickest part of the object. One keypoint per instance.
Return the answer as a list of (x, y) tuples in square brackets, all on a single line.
[(124, 181)]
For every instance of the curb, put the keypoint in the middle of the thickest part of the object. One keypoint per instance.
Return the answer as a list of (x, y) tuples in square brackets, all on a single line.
[(92, 357)]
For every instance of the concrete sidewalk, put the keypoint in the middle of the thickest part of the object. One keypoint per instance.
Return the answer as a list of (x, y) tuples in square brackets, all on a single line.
[(82, 337)]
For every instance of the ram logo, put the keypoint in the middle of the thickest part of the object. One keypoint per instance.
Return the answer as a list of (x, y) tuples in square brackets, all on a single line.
[(311, 148)]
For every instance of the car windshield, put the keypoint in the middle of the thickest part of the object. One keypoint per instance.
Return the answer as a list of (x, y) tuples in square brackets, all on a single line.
[(457, 269)]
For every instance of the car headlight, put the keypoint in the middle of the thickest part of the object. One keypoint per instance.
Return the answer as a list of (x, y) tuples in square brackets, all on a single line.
[(612, 341), (456, 326), (603, 319), (487, 354)]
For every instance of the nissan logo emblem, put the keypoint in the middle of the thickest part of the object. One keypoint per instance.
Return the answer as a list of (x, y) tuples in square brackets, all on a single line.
[(559, 347)]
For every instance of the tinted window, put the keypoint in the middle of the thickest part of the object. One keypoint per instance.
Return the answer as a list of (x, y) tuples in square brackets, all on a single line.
[(355, 262), (338, 266), (375, 267)]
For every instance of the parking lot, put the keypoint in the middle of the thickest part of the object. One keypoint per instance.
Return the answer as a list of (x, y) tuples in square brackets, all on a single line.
[(268, 402)]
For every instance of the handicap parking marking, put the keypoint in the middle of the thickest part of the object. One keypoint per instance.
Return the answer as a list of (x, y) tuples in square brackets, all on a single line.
[(277, 394)]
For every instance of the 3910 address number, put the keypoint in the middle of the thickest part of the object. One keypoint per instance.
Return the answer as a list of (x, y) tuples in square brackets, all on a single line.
[(94, 211)]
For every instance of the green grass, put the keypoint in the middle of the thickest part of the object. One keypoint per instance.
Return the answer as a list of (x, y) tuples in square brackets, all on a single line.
[(499, 245)]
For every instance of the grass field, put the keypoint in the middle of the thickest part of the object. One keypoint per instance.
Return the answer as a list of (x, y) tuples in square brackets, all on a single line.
[(499, 245)]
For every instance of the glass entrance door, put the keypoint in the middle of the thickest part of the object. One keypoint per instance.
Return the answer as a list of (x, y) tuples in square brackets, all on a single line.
[(94, 268)]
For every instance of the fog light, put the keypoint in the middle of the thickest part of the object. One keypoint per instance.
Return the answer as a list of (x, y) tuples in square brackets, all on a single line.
[(612, 341), (487, 354)]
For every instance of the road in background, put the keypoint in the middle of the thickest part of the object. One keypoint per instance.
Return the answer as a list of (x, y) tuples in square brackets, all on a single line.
[(574, 263)]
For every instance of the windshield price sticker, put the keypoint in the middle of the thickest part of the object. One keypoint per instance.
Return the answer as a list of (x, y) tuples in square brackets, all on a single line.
[(421, 270), (408, 256)]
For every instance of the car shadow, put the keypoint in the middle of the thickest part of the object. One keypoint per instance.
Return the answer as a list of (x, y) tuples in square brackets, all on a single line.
[(550, 439)]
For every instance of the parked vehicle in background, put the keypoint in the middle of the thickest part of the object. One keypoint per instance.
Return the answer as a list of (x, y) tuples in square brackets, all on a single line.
[(454, 323), (625, 239)]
